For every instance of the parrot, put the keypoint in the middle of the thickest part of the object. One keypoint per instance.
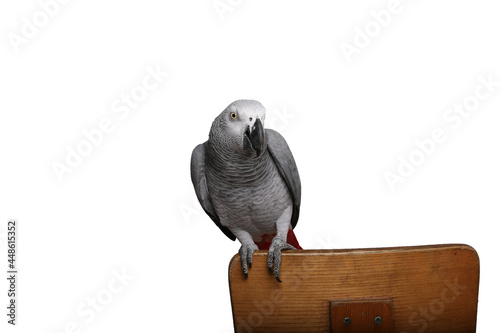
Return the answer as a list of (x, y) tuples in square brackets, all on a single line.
[(246, 180)]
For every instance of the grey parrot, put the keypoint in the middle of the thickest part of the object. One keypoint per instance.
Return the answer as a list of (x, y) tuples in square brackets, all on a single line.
[(246, 180)]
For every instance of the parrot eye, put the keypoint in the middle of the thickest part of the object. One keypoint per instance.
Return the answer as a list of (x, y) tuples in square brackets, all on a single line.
[(234, 115)]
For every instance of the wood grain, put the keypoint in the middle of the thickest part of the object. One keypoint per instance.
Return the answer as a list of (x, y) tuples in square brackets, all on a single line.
[(433, 288)]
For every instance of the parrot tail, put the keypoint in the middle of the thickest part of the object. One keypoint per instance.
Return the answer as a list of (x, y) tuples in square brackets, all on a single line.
[(266, 241)]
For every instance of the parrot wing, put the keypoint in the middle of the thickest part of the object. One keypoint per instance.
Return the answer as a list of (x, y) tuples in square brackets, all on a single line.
[(198, 177), (285, 162)]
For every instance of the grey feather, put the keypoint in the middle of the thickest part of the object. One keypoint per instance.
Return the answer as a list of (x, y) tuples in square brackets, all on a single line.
[(285, 162), (199, 179)]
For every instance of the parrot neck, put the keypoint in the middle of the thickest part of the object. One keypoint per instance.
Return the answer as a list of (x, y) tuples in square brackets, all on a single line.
[(237, 166)]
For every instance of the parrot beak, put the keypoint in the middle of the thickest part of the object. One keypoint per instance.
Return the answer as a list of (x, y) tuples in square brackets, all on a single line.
[(255, 136)]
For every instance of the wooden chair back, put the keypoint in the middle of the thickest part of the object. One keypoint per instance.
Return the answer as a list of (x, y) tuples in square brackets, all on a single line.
[(404, 289)]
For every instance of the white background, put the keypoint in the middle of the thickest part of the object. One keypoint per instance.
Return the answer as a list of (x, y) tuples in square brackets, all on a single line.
[(129, 205)]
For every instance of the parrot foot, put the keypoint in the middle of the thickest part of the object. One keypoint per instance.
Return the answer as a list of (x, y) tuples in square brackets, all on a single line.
[(274, 255), (246, 254)]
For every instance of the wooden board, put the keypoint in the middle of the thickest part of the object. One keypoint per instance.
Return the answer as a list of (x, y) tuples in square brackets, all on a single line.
[(433, 288)]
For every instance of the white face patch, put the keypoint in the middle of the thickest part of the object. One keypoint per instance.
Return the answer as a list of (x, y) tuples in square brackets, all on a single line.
[(244, 113)]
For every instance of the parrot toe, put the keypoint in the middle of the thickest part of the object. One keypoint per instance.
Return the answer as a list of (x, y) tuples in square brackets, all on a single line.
[(274, 255), (246, 254)]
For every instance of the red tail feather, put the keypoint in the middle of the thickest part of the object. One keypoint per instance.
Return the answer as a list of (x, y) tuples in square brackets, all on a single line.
[(292, 240), (266, 241)]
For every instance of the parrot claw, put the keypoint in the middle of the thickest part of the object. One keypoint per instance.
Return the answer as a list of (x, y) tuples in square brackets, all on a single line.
[(246, 254), (274, 255)]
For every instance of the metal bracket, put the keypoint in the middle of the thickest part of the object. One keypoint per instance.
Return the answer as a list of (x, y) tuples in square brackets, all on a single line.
[(361, 315)]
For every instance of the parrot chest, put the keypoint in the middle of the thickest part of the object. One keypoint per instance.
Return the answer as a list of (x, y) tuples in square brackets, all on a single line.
[(250, 198)]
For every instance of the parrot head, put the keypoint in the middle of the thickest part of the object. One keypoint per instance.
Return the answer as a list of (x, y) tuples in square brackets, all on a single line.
[(240, 128)]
